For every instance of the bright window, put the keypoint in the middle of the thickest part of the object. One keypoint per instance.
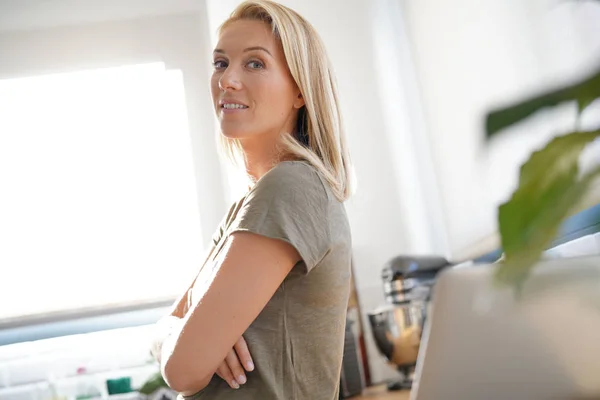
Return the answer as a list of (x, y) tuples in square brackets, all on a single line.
[(98, 199)]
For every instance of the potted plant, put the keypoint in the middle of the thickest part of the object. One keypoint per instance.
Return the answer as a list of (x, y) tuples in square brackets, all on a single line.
[(551, 186), (564, 308)]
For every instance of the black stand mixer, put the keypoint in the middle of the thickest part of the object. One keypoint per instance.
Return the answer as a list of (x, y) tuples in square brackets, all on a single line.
[(397, 326)]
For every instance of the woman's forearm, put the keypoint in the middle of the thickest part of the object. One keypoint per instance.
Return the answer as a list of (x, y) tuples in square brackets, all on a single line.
[(181, 381), (165, 328), (166, 335)]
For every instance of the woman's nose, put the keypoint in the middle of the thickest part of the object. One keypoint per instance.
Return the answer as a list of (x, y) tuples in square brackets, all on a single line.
[(229, 80)]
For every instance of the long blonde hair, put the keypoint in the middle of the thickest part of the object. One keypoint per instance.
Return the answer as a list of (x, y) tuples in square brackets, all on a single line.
[(319, 138)]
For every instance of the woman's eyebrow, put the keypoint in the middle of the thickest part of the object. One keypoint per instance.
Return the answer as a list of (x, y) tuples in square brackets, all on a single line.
[(260, 48)]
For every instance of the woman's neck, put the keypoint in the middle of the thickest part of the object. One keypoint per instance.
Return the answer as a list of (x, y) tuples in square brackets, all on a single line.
[(261, 154), (259, 159)]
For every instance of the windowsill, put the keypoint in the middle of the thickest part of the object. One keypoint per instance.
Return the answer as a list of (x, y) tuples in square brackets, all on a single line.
[(65, 323)]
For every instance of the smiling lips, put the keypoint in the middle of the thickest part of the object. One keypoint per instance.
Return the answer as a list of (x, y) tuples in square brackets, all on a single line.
[(231, 106)]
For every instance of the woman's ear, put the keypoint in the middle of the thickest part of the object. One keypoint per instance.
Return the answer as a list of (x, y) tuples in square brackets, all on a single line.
[(299, 102)]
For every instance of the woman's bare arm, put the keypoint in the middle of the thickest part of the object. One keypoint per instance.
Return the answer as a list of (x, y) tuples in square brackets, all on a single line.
[(236, 289)]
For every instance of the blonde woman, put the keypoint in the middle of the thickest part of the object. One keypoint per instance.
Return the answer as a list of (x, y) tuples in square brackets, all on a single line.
[(265, 316)]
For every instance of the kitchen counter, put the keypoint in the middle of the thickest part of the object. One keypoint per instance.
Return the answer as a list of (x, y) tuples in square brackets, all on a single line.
[(381, 393)]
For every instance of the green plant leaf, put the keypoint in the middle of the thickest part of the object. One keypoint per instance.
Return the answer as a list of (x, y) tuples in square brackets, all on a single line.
[(549, 190), (583, 92), (154, 383), (583, 103)]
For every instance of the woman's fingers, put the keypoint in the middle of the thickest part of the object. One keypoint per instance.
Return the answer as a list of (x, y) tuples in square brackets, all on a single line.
[(232, 368), (236, 368), (225, 373), (243, 354)]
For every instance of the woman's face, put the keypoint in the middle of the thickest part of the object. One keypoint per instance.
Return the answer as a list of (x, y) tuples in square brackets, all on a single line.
[(252, 89)]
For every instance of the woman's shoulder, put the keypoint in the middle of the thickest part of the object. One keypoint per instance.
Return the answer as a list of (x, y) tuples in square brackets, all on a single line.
[(287, 170), (293, 178)]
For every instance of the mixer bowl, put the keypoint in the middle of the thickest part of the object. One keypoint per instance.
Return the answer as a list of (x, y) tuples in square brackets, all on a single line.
[(397, 331)]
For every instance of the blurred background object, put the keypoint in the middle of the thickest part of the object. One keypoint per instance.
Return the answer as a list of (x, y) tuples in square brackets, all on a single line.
[(397, 327), (551, 185)]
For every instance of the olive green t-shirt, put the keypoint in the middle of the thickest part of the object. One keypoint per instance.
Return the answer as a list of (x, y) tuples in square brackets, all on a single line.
[(296, 342)]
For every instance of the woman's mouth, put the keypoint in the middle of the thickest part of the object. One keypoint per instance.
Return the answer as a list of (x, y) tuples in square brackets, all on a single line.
[(233, 107)]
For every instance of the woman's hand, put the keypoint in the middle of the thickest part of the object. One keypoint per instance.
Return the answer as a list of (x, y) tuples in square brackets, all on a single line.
[(232, 368)]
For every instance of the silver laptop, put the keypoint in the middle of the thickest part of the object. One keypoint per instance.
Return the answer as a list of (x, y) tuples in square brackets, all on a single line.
[(481, 344)]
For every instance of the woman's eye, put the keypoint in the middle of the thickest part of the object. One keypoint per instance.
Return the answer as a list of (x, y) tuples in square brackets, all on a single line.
[(255, 65), (219, 64)]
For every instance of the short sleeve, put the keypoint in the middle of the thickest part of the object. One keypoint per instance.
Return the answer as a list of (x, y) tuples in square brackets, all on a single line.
[(225, 222), (289, 203)]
